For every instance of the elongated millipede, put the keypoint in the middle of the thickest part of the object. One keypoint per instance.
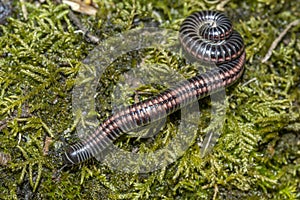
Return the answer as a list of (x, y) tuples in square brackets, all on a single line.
[(208, 36)]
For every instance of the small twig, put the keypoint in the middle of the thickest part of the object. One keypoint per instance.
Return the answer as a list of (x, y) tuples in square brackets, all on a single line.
[(83, 29), (4, 158), (216, 190), (250, 81), (278, 39), (48, 141), (24, 9)]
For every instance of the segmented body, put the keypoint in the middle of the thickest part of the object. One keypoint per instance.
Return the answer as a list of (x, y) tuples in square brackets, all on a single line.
[(207, 36)]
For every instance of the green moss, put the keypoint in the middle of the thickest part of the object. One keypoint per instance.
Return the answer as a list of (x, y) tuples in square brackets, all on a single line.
[(257, 155)]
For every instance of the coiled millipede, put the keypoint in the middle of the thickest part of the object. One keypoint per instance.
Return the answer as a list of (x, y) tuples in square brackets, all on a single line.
[(208, 36)]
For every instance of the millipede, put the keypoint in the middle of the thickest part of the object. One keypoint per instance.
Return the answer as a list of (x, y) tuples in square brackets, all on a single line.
[(207, 36)]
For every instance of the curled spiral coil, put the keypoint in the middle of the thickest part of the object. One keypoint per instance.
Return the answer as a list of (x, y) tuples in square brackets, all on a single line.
[(206, 35)]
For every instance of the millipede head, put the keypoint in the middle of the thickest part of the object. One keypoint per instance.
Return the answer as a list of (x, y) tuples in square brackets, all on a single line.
[(69, 158)]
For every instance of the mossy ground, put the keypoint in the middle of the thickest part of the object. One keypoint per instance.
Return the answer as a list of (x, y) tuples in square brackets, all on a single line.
[(256, 157)]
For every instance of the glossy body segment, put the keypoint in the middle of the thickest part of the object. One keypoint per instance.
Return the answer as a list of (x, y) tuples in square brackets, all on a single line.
[(210, 25), (195, 34), (209, 46)]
